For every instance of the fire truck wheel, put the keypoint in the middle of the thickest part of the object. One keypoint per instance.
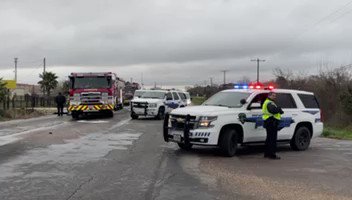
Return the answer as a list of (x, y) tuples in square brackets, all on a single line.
[(75, 115), (110, 113)]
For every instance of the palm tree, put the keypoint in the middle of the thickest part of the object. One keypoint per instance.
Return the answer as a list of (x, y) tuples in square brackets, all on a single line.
[(3, 90), (48, 82)]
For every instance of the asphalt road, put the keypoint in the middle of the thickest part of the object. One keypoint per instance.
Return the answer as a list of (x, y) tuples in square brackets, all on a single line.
[(118, 158)]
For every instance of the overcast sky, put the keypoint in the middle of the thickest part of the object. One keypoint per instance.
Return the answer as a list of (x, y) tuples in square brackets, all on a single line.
[(173, 42)]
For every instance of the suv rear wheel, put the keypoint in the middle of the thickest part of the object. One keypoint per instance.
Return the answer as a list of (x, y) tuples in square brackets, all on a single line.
[(228, 142), (301, 139)]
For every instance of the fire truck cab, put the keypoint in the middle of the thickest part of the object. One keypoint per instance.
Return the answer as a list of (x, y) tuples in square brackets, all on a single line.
[(95, 93)]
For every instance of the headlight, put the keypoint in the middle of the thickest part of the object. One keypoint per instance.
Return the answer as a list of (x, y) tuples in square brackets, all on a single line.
[(205, 121), (169, 124), (76, 96), (152, 105)]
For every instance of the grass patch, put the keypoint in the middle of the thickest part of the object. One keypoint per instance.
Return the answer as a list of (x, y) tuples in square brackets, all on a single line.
[(338, 133), (198, 100), (21, 113)]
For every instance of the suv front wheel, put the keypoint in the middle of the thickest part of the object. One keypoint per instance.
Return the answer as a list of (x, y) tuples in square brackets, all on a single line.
[(161, 113), (185, 146), (301, 139), (228, 142)]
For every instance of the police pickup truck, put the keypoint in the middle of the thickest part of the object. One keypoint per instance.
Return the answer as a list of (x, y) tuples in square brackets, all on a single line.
[(233, 117)]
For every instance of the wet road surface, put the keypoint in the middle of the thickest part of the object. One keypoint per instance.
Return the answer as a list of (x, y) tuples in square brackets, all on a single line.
[(118, 158)]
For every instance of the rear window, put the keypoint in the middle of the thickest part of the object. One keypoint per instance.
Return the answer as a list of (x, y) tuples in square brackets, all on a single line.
[(176, 96), (285, 100), (309, 101), (183, 96)]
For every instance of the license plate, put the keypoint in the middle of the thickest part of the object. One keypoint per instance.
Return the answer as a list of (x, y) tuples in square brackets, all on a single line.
[(139, 110), (177, 135), (177, 138)]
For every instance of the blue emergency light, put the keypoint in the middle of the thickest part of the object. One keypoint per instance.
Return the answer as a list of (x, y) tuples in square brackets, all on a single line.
[(241, 86)]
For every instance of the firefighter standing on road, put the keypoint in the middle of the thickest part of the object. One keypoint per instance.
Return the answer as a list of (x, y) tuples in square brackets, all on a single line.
[(271, 116), (60, 102)]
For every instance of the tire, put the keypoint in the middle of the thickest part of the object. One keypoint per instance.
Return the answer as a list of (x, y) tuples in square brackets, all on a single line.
[(301, 139), (228, 142), (110, 114), (161, 113), (75, 115), (134, 116), (184, 146)]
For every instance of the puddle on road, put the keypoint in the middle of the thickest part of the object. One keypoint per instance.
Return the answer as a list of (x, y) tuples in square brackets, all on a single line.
[(89, 148)]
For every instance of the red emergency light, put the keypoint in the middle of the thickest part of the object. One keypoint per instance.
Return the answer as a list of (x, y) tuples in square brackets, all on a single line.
[(258, 85)]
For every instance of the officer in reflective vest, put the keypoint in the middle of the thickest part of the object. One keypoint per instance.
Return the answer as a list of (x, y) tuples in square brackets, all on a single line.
[(271, 116)]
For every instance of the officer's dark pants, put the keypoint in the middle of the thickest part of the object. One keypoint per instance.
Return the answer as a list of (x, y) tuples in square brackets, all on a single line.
[(60, 110), (271, 126)]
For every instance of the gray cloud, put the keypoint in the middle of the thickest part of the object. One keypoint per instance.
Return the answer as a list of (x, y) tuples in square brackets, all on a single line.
[(175, 42)]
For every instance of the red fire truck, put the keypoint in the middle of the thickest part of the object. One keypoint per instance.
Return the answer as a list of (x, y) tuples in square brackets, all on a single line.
[(95, 92)]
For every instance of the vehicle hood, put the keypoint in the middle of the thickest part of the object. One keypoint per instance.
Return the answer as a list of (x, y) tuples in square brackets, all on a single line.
[(205, 110), (142, 100)]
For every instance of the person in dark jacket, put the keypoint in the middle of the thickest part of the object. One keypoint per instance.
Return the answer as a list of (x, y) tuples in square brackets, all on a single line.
[(60, 102), (271, 116)]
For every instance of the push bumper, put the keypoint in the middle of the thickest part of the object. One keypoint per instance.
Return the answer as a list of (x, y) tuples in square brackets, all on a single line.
[(188, 136), (144, 111)]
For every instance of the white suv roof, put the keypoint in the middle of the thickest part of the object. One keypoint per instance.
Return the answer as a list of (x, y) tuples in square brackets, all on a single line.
[(273, 90)]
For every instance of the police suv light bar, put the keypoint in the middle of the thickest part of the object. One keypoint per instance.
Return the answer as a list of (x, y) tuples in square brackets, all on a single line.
[(241, 86)]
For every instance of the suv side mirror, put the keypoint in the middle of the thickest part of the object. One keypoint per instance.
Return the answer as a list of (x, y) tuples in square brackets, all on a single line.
[(243, 101)]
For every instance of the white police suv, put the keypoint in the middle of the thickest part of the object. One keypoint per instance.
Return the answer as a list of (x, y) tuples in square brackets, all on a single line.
[(233, 117), (155, 103)]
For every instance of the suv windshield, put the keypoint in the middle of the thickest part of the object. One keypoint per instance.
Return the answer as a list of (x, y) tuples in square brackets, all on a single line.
[(227, 99), (138, 93), (153, 95)]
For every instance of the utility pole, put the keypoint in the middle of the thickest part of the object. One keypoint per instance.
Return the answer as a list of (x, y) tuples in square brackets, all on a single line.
[(258, 61), (16, 69), (44, 64), (211, 81), (224, 71), (142, 80)]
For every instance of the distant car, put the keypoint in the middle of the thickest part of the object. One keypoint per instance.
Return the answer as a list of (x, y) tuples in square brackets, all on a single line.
[(233, 117)]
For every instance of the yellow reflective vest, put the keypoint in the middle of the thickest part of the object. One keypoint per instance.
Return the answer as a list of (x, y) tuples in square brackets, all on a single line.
[(266, 113)]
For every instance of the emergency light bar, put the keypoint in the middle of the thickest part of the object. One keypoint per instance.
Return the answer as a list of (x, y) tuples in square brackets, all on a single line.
[(254, 86), (241, 86)]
